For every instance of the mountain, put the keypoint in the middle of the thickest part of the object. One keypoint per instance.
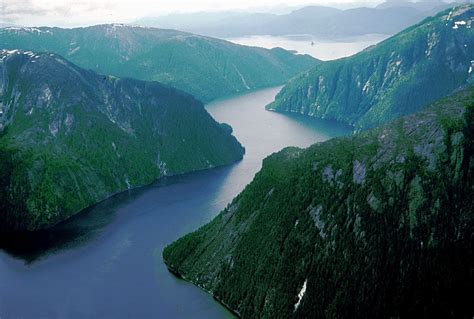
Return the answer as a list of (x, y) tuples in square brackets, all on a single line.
[(424, 5), (70, 137), (379, 224), (204, 67), (395, 77), (329, 23), (210, 23), (319, 21)]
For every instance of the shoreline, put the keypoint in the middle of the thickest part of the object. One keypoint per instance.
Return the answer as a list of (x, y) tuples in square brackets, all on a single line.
[(6, 234), (180, 276)]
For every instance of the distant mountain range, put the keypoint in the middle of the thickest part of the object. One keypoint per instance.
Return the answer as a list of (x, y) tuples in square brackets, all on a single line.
[(322, 22), (204, 67), (395, 77), (70, 137)]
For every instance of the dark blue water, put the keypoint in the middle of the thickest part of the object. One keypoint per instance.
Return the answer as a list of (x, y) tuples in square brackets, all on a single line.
[(106, 262)]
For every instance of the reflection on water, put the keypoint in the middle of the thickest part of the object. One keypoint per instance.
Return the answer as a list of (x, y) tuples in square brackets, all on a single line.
[(78, 230), (106, 261), (307, 44)]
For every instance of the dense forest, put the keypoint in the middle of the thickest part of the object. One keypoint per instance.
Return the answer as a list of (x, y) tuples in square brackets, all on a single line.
[(70, 137), (379, 224), (205, 67), (396, 77)]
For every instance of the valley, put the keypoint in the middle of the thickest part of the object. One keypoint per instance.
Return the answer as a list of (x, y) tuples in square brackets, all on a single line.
[(198, 160), (111, 253)]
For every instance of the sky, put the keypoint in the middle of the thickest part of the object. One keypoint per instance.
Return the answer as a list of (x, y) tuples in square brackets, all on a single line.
[(87, 12)]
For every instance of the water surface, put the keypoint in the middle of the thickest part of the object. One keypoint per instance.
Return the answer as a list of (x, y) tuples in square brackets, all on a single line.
[(307, 44), (106, 262)]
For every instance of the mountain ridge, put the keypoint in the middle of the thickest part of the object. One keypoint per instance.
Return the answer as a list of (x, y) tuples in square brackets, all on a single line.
[(398, 76), (204, 67), (322, 22)]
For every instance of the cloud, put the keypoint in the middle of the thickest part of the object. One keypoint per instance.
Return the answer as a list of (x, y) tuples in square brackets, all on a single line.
[(12, 10), (86, 12)]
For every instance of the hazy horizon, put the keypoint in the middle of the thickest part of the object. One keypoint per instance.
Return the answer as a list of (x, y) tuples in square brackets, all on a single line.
[(71, 13)]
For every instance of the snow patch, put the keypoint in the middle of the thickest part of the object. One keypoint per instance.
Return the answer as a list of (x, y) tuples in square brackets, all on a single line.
[(301, 294), (242, 78), (6, 53), (449, 15), (26, 29), (462, 23), (72, 51), (366, 87)]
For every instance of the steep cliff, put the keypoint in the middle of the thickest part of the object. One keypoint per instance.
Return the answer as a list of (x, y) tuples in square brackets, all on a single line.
[(379, 225), (398, 76), (70, 137)]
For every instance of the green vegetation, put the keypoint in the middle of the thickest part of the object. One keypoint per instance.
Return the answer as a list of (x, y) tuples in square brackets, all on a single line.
[(399, 76), (73, 138), (205, 67), (379, 224)]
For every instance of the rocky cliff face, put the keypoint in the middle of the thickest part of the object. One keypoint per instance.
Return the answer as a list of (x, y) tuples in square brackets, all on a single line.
[(375, 225), (205, 67), (71, 137), (396, 77)]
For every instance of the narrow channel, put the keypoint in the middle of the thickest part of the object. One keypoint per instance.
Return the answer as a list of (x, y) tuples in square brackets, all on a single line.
[(106, 262)]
